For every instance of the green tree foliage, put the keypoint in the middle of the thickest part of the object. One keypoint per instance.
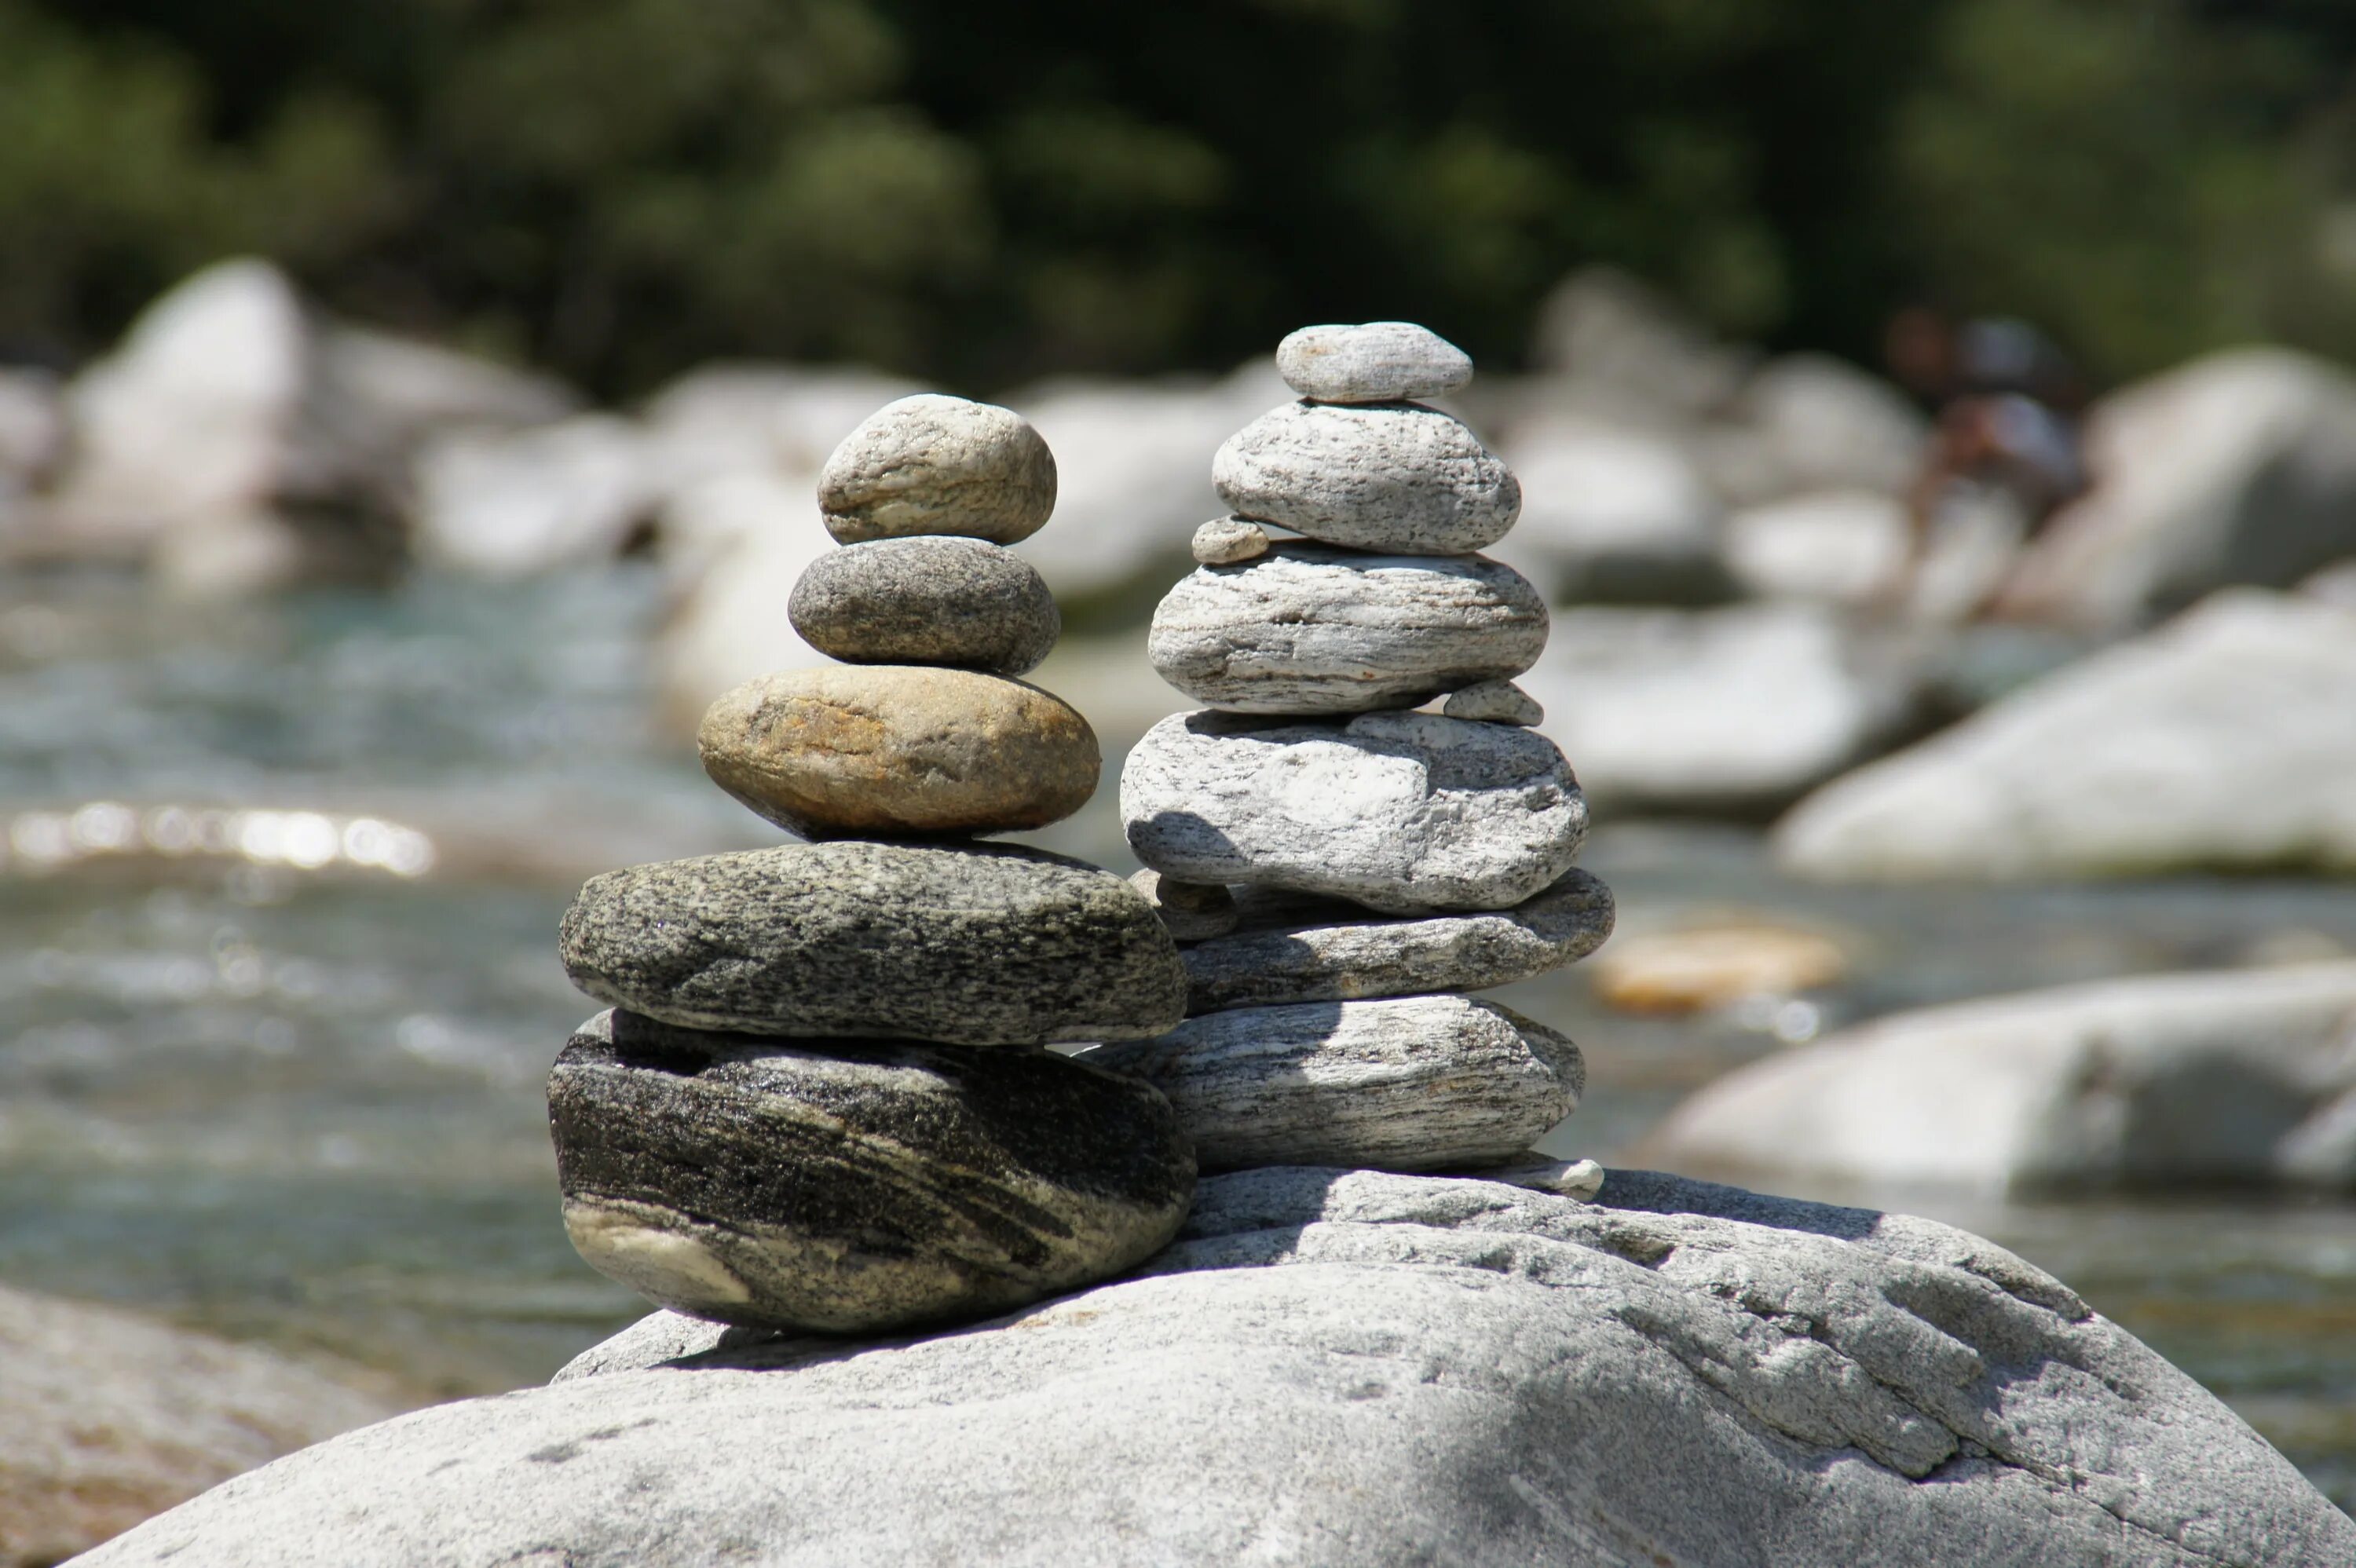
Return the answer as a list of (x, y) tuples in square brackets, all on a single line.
[(621, 188)]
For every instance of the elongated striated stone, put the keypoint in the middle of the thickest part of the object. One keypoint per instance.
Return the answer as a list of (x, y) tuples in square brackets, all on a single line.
[(938, 464), (1401, 478), (1336, 953), (927, 601), (854, 1187), (966, 945), (1311, 629), (1407, 1083), (899, 750), (1373, 362), (1401, 812)]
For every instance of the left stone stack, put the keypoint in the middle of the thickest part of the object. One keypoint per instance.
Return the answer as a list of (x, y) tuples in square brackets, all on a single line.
[(821, 1099)]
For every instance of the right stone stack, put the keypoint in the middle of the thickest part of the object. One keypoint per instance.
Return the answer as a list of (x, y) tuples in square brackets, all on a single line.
[(1338, 871)]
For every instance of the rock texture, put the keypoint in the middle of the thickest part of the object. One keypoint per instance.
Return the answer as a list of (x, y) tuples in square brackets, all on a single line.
[(1192, 910), (895, 750), (965, 945), (1373, 362), (2199, 1079), (931, 600), (1406, 1083), (1335, 953), (1404, 478), (1335, 1368), (1493, 702), (1223, 541), (1401, 812), (1306, 629), (936, 464), (854, 1188)]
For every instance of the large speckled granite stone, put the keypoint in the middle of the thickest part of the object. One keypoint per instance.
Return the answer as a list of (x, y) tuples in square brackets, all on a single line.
[(1401, 478), (938, 464), (929, 600), (854, 1186), (972, 944)]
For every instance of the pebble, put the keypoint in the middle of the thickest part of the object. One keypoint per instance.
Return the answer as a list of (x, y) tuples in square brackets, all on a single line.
[(1493, 702), (1404, 813), (1192, 910), (899, 750), (1375, 362), (1401, 479), (938, 464), (930, 600), (1339, 955), (1406, 1083), (858, 1186), (1308, 628), (963, 944), (1223, 541)]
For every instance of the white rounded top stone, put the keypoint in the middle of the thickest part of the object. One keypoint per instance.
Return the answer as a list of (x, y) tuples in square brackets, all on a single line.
[(938, 464), (1378, 362)]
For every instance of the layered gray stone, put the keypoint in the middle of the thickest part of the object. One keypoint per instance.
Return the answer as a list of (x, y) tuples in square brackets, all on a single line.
[(974, 944), (938, 464), (1401, 812), (1223, 541), (1344, 1368), (1331, 952), (1372, 362), (1401, 479), (1192, 910), (927, 601), (1404, 1084), (1309, 629), (1493, 702), (853, 1187)]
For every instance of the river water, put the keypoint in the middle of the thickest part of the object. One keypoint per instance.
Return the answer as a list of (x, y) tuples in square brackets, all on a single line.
[(278, 894)]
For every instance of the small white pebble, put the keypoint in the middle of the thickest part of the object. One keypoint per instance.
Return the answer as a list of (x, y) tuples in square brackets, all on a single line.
[(1493, 702), (1228, 541)]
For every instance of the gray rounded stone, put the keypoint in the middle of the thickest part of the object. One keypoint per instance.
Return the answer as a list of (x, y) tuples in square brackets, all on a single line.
[(1373, 362), (1405, 1083), (1402, 478), (928, 599), (1223, 541), (1308, 629), (967, 944), (1493, 702), (1404, 813), (854, 1187), (1335, 953), (1192, 910), (938, 464)]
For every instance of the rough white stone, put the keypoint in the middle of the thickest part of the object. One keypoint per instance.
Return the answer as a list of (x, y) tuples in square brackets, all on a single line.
[(1493, 702), (1375, 362), (1309, 629), (1345, 1368), (1400, 812), (1404, 478)]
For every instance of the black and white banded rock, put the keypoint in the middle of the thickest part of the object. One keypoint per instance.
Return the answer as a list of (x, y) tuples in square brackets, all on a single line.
[(1309, 629), (1373, 362), (1405, 1083), (1330, 951), (1404, 813), (1401, 478), (938, 464), (859, 1186), (930, 600), (966, 945)]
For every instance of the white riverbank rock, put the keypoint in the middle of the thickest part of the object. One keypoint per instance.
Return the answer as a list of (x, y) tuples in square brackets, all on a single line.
[(2234, 1077), (1612, 512), (2225, 738), (1343, 1368), (1827, 546)]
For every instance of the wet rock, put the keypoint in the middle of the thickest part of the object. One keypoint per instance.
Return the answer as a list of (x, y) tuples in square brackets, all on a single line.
[(1223, 541), (1401, 812), (1402, 479), (1375, 362), (928, 600), (854, 1186), (2194, 1080), (1404, 1084), (1193, 911), (936, 464), (1311, 629), (896, 750), (1336, 953), (1493, 702), (963, 946)]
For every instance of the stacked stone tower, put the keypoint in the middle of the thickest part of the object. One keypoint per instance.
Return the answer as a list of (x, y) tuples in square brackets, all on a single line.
[(1341, 869), (820, 1100)]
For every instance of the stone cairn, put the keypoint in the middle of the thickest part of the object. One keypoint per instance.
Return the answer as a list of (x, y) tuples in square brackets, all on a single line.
[(820, 1100), (1283, 823)]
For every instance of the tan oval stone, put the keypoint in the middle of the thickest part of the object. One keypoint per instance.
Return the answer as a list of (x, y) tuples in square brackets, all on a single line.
[(892, 750), (938, 464)]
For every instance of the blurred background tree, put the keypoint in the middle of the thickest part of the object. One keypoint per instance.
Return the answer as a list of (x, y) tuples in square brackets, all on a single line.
[(622, 187)]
